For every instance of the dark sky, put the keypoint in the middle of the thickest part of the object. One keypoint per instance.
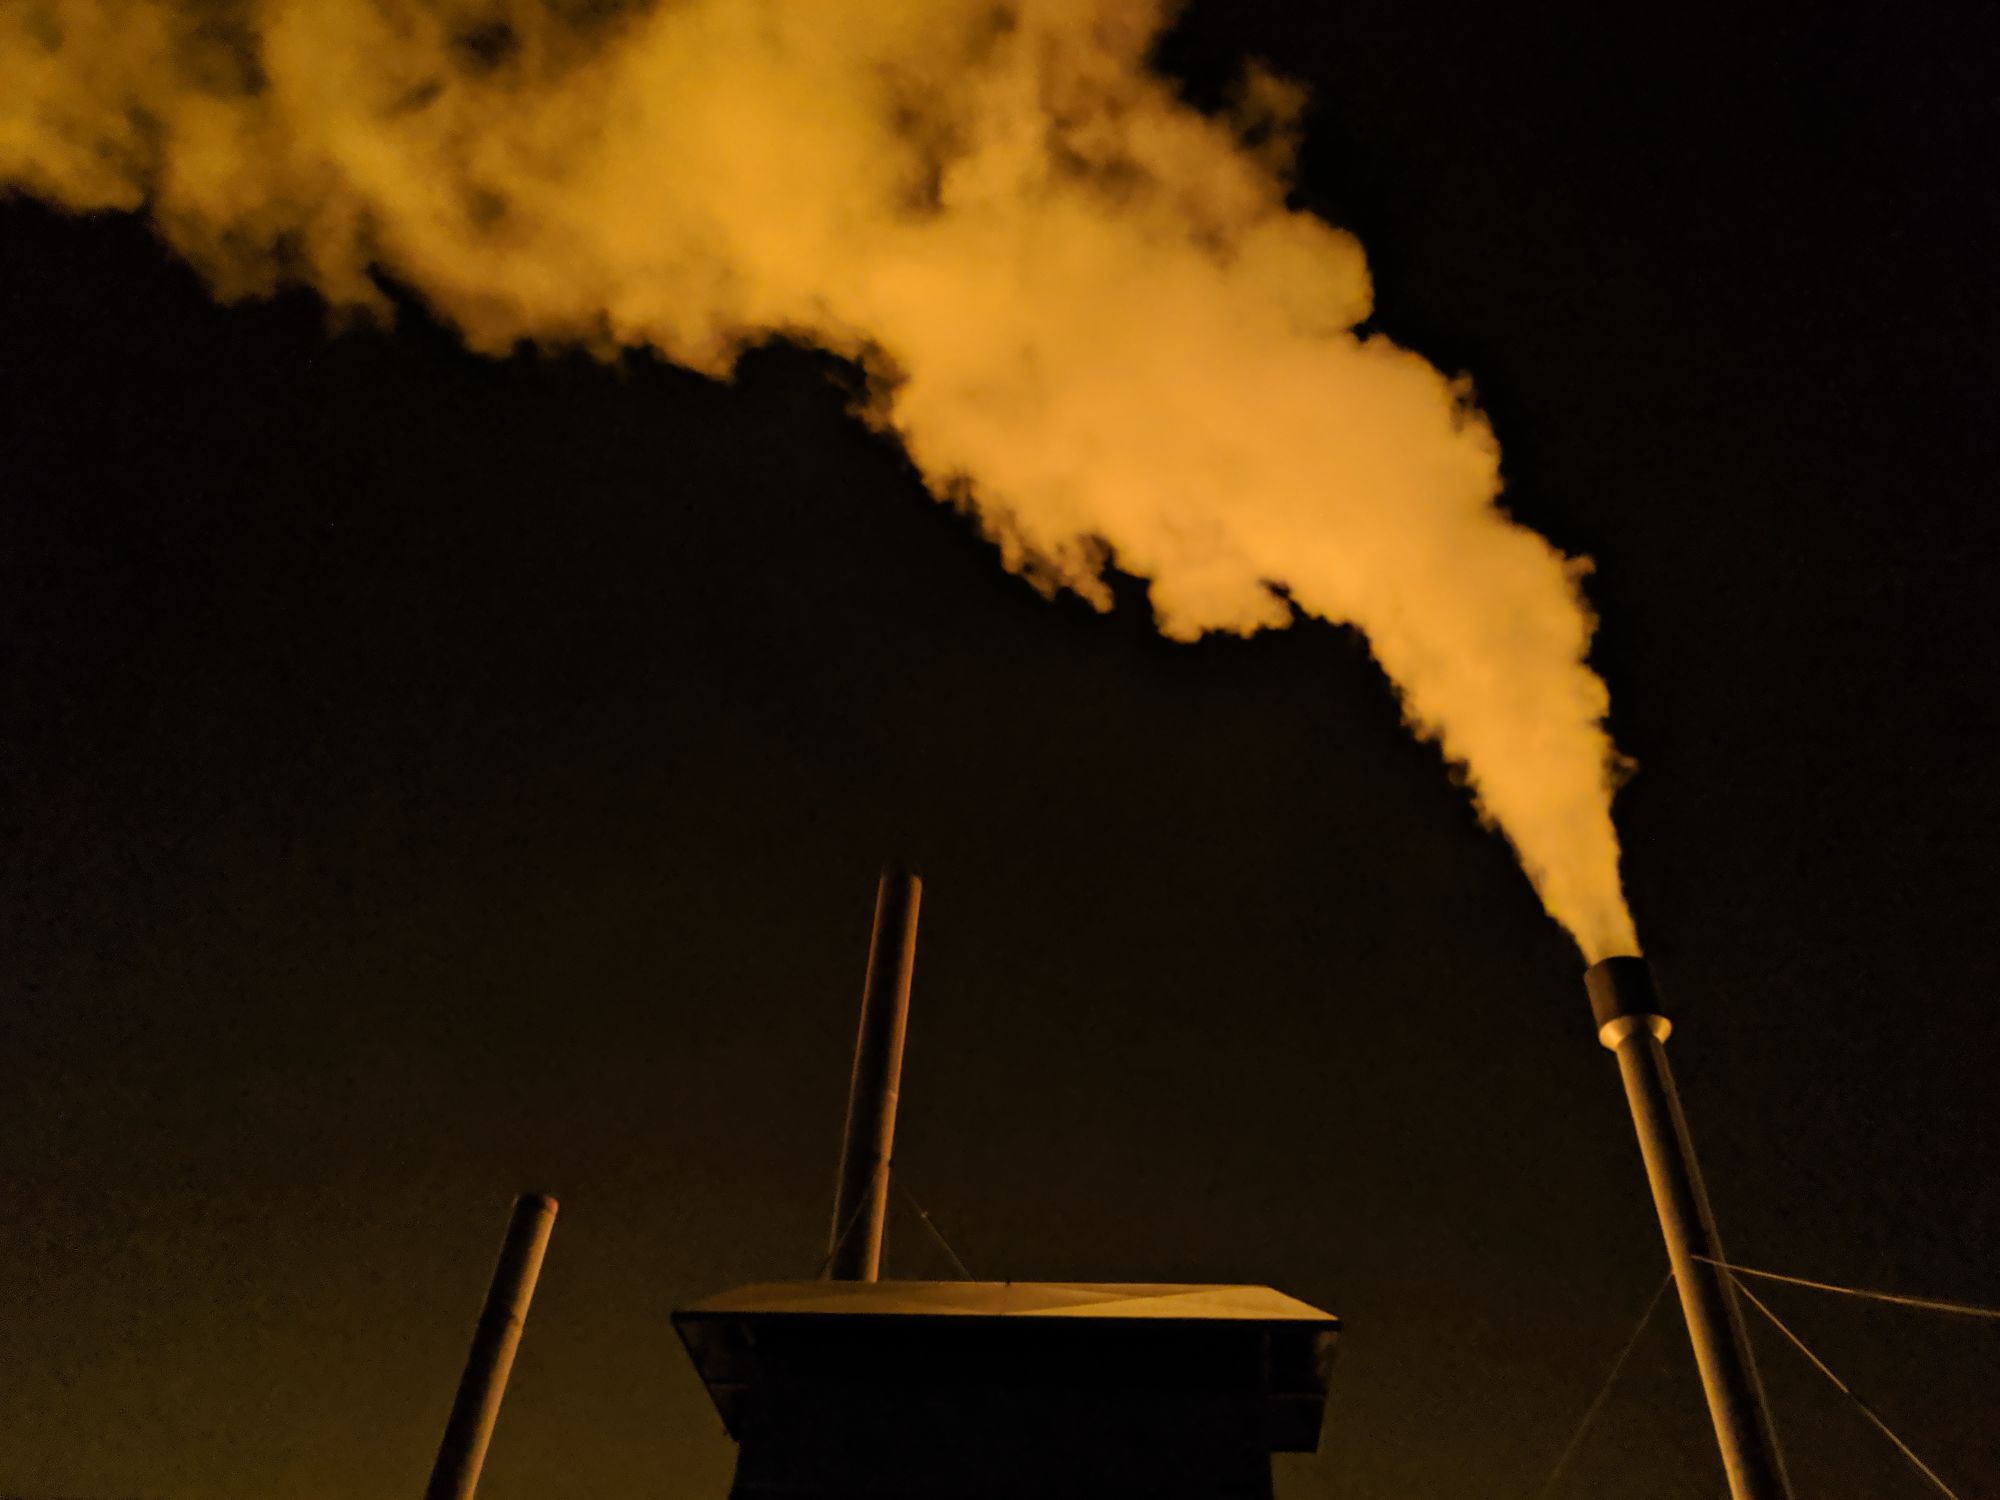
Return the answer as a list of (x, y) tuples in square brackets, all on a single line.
[(429, 777)]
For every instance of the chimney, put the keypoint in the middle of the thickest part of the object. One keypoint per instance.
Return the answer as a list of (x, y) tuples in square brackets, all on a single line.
[(477, 1407), (861, 1192), (1632, 1024)]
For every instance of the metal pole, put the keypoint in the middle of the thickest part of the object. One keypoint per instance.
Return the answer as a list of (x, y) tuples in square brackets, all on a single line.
[(861, 1192), (470, 1428), (1630, 1023)]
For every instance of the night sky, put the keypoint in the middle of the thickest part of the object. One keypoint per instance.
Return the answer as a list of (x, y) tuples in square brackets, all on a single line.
[(429, 777)]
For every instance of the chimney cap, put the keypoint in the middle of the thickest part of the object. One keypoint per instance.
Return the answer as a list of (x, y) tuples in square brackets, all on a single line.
[(1621, 987)]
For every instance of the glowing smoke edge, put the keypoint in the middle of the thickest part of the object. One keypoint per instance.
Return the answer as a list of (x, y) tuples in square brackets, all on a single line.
[(1084, 307)]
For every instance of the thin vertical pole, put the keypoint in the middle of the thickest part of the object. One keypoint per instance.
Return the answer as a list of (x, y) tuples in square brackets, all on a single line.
[(470, 1427), (861, 1191)]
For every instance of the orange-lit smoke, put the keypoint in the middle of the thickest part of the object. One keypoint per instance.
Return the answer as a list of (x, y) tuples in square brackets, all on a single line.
[(1084, 306)]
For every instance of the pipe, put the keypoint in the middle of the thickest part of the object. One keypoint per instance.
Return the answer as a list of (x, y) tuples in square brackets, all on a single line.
[(1631, 1024), (861, 1191), (470, 1427)]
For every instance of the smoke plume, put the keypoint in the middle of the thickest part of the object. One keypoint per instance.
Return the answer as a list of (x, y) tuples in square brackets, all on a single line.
[(1084, 306)]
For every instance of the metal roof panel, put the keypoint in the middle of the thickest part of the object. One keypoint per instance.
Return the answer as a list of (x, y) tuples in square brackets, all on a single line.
[(1011, 1299)]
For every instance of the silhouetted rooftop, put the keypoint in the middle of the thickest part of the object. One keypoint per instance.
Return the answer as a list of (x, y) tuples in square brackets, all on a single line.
[(1010, 1389)]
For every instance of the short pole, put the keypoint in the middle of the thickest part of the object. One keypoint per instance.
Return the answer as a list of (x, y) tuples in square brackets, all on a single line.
[(473, 1413)]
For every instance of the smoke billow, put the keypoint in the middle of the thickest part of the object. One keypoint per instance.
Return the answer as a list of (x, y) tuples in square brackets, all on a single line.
[(1083, 305)]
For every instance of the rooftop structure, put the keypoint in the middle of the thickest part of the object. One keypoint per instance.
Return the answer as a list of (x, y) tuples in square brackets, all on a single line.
[(957, 1390), (850, 1388)]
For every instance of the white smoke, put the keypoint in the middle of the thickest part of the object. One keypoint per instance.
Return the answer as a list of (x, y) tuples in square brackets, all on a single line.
[(1084, 306)]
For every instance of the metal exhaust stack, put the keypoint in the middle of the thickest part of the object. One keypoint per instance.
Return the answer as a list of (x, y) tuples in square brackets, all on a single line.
[(1630, 1022), (861, 1193), (470, 1427)]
